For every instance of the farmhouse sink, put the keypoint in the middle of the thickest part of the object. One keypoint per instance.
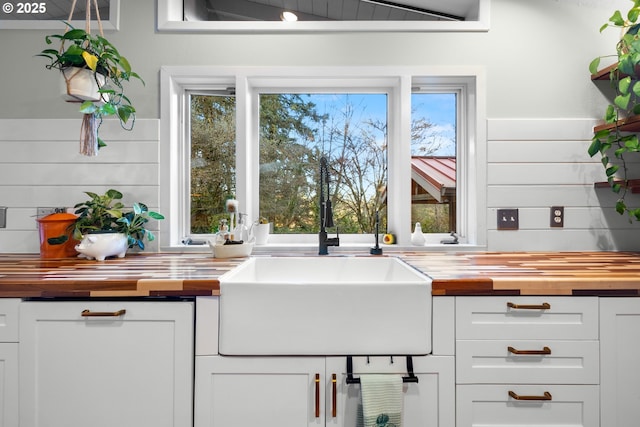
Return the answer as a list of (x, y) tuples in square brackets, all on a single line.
[(345, 305)]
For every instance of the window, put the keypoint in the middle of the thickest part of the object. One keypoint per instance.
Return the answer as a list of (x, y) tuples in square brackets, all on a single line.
[(349, 131), (212, 132), (370, 123), (187, 15), (434, 116)]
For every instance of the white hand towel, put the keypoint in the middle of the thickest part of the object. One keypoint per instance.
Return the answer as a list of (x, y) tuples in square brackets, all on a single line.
[(381, 400)]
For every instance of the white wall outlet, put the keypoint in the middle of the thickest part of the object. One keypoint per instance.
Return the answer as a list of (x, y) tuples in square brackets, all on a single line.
[(557, 216)]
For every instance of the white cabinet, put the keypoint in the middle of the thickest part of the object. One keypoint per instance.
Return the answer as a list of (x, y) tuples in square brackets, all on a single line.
[(9, 362), (620, 350), (428, 402), (301, 391), (523, 361), (106, 363), (259, 391), (492, 406)]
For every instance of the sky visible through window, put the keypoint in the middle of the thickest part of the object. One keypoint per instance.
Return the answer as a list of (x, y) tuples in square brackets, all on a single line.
[(439, 109)]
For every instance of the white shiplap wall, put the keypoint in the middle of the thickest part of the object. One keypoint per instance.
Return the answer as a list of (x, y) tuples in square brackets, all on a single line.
[(534, 164), (40, 167)]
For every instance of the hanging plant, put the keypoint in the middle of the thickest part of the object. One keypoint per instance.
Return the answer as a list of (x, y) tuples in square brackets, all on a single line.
[(95, 55), (626, 103)]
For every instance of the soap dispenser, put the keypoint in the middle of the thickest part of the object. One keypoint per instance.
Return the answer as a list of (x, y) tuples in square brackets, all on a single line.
[(417, 238)]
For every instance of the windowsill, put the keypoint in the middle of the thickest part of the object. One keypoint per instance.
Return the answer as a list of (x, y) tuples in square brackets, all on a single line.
[(308, 248)]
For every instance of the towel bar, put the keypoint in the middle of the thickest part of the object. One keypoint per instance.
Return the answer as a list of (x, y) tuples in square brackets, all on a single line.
[(410, 378)]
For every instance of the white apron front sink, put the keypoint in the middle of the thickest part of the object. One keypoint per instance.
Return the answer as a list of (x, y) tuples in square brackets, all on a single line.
[(344, 305)]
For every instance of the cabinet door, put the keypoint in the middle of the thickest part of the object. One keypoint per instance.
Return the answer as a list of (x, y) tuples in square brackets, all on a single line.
[(620, 367), (259, 391), (9, 362), (9, 309), (8, 385), (126, 364), (429, 402)]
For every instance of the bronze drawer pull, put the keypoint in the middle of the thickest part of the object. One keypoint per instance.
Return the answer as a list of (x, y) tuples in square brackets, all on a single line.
[(334, 396), (546, 396), (545, 350), (543, 306), (317, 395), (89, 313)]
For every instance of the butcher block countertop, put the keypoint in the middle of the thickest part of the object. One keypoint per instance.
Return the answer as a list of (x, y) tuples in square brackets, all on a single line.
[(191, 274)]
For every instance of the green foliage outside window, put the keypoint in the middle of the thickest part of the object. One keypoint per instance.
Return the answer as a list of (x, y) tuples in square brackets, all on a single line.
[(294, 133)]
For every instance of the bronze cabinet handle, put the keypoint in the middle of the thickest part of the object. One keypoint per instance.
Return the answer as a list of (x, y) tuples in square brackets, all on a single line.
[(317, 395), (334, 396), (89, 313), (543, 306), (545, 350), (545, 396)]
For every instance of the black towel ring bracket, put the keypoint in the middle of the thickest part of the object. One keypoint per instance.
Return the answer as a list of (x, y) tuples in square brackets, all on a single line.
[(410, 378)]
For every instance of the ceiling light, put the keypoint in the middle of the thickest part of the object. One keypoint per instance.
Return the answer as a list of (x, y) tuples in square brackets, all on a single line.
[(288, 16)]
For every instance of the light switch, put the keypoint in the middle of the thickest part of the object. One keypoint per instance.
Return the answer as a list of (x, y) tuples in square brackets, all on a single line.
[(3, 216), (508, 219)]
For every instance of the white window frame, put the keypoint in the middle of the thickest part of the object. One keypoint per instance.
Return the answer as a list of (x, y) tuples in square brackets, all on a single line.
[(170, 19), (397, 82)]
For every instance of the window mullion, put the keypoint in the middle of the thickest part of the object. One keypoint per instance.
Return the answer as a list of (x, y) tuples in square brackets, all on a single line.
[(247, 149)]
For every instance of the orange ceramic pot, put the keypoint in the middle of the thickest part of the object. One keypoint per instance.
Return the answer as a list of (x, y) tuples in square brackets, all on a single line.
[(55, 225)]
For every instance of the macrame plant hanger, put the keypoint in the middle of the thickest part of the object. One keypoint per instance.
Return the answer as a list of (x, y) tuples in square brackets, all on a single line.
[(90, 121)]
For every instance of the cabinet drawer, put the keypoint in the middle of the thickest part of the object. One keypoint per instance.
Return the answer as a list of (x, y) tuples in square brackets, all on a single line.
[(493, 361), (491, 405), (9, 320), (526, 318)]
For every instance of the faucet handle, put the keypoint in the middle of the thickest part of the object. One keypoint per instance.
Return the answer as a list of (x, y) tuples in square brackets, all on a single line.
[(328, 213), (335, 241)]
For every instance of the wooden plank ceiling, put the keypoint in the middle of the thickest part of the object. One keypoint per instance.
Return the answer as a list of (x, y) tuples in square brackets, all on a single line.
[(341, 10)]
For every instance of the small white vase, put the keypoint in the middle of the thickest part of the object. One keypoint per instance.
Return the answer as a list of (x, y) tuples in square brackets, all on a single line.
[(102, 245), (80, 84), (417, 238), (261, 232)]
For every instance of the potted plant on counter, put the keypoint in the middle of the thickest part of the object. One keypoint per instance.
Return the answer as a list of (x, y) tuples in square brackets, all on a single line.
[(93, 63), (106, 228)]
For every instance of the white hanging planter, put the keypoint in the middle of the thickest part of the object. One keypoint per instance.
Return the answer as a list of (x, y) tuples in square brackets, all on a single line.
[(80, 84)]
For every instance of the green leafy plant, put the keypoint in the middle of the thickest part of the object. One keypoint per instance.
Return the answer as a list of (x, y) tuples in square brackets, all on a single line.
[(81, 49), (624, 80), (105, 213)]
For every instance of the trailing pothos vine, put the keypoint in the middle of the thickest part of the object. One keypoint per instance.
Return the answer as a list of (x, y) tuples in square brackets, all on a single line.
[(624, 80)]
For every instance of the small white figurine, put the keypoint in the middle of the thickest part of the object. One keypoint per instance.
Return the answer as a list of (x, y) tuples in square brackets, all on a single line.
[(417, 238)]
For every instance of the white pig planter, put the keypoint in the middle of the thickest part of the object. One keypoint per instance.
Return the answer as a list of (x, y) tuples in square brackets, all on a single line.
[(100, 246)]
